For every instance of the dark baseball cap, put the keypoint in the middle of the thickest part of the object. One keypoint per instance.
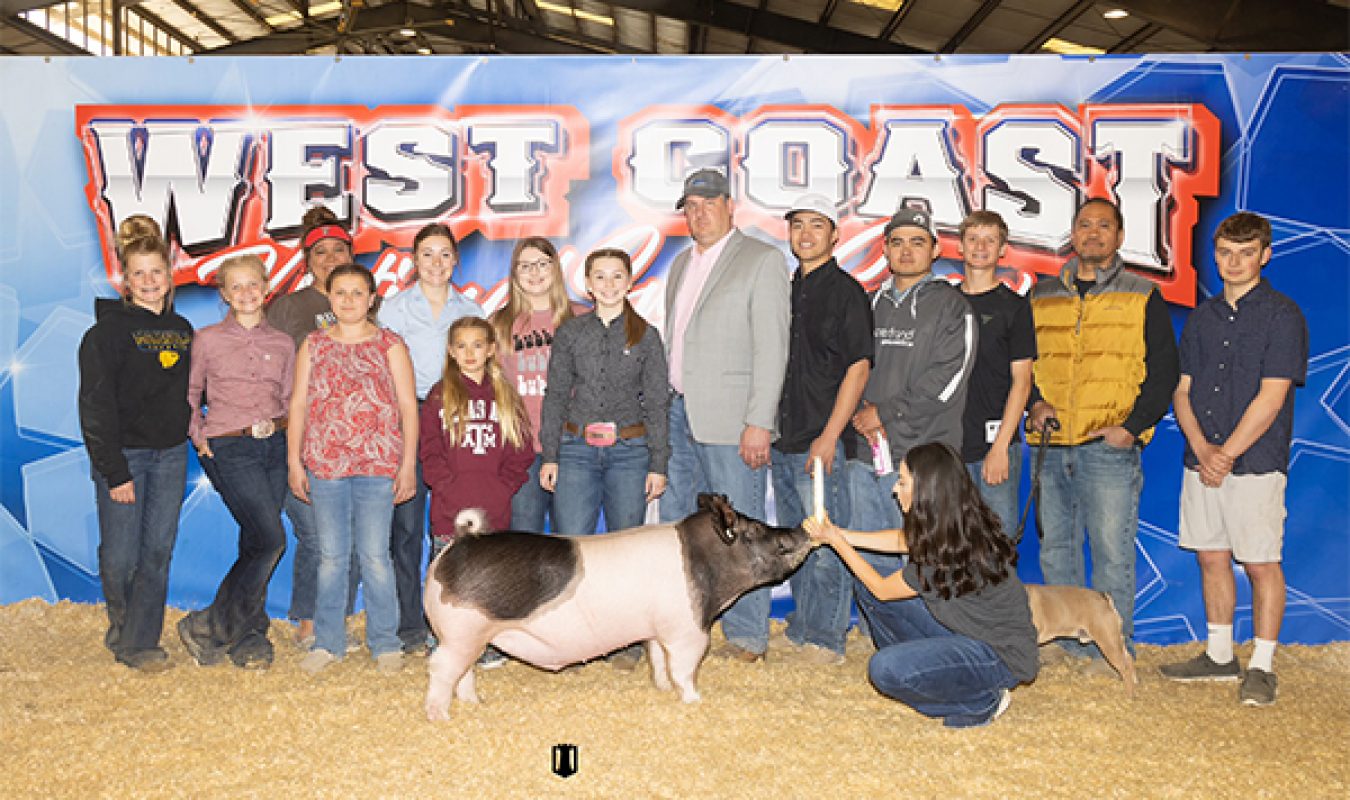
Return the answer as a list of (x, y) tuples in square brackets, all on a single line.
[(911, 218), (705, 183)]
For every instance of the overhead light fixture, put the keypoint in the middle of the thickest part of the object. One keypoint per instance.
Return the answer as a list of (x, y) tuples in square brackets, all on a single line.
[(1066, 48), (575, 13), (407, 33), (1116, 13), (424, 51)]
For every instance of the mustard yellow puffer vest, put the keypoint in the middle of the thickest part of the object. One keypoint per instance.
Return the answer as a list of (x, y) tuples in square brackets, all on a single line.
[(1091, 349)]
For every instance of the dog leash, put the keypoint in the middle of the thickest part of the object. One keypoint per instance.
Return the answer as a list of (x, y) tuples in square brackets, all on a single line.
[(1050, 425)]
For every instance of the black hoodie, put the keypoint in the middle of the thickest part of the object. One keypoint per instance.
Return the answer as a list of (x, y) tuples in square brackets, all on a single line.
[(133, 384)]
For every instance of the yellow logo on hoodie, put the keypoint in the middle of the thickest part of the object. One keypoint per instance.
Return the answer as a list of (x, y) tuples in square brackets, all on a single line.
[(167, 358)]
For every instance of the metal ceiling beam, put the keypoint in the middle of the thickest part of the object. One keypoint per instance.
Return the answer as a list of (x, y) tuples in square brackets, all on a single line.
[(459, 24), (898, 17), (154, 19), (205, 19), (1145, 32), (828, 11), (981, 14), (768, 25), (1252, 25), (56, 43), (1061, 22), (253, 14)]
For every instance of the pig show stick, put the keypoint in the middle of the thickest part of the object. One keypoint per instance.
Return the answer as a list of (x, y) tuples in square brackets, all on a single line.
[(1050, 424), (818, 488)]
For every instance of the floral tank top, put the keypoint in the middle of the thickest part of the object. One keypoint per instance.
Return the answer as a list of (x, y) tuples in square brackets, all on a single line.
[(352, 425)]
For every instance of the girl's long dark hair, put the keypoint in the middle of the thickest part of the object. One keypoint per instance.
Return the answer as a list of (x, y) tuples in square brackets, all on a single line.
[(951, 532)]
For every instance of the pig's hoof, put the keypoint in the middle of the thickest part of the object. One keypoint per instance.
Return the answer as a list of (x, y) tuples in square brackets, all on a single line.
[(438, 714), (690, 696), (663, 683)]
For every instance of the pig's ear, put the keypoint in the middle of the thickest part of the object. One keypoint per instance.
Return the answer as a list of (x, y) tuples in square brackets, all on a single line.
[(722, 514)]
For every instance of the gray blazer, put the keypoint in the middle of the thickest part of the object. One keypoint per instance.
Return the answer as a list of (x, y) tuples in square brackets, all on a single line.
[(736, 345)]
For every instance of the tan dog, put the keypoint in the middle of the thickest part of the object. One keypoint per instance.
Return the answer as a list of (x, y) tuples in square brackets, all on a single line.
[(1087, 615)]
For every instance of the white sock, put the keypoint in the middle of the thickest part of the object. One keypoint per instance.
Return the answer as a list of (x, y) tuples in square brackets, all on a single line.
[(1220, 648), (1263, 655)]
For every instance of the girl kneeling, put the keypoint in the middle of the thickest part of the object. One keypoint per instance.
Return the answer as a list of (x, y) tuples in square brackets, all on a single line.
[(953, 628)]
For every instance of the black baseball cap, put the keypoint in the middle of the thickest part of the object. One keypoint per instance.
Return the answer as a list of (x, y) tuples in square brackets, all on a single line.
[(705, 183)]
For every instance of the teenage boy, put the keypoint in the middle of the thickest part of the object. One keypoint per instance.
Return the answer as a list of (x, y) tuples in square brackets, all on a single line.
[(829, 357), (1000, 382), (924, 339), (1242, 353)]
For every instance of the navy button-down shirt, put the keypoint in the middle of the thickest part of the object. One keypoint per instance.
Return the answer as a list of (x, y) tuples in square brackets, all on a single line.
[(1227, 352)]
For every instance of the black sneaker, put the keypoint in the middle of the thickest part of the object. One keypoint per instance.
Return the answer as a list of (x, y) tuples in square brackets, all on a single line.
[(1201, 668), (1258, 688)]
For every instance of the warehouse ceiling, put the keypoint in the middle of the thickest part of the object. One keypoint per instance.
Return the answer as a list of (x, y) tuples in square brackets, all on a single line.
[(426, 27)]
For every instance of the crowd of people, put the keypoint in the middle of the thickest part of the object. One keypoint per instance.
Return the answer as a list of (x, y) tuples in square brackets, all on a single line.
[(346, 414)]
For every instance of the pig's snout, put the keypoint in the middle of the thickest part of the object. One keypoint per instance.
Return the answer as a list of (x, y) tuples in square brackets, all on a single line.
[(794, 545)]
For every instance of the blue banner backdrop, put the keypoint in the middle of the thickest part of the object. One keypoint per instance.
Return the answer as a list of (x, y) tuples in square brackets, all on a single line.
[(590, 151)]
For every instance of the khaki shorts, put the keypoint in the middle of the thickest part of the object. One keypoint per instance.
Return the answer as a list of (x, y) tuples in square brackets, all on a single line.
[(1245, 514)]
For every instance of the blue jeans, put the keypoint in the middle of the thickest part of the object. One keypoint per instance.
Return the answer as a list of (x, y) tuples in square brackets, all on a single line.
[(590, 478), (926, 666), (135, 545), (1002, 499), (407, 538), (1092, 486), (695, 467), (821, 589), (250, 476), (305, 565), (531, 505), (357, 509), (872, 507)]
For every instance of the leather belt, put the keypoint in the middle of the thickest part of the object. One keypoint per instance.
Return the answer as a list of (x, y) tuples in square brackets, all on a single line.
[(631, 432), (260, 430)]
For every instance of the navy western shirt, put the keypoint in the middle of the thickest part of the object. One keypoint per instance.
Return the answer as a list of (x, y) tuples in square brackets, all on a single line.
[(1227, 352)]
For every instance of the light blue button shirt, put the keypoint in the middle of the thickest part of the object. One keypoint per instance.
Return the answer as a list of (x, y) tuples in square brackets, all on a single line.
[(409, 314)]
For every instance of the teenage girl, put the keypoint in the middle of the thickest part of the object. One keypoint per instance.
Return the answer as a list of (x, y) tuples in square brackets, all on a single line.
[(242, 367), (422, 315), (326, 244), (952, 629), (134, 365), (536, 306), (352, 452), (605, 423)]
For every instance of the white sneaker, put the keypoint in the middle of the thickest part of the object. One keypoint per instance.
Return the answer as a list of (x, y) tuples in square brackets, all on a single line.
[(317, 660), (1003, 703)]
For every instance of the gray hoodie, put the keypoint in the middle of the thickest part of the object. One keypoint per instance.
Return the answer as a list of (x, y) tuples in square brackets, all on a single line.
[(925, 343)]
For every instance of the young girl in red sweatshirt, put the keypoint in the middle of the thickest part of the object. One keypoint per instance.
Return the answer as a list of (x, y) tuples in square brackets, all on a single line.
[(475, 446)]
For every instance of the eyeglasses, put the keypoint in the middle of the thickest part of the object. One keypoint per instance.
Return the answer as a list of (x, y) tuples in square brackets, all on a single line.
[(534, 266)]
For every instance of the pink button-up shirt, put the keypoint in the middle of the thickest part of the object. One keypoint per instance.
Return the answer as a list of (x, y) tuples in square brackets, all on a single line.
[(246, 374), (696, 274)]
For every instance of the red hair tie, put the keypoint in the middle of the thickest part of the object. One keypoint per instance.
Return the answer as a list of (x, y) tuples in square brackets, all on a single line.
[(326, 232)]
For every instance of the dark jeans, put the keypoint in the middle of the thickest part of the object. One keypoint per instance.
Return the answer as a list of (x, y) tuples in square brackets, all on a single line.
[(407, 538), (250, 475), (135, 545), (926, 666)]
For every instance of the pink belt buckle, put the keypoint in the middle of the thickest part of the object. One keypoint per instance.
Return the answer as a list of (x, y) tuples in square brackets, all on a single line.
[(602, 434)]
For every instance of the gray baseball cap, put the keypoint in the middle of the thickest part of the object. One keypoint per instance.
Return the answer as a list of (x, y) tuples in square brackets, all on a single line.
[(705, 183), (911, 218)]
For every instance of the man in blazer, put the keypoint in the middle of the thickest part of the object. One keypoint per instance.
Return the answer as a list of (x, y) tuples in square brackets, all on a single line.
[(727, 314)]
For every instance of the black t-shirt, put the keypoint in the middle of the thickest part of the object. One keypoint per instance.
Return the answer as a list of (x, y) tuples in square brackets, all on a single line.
[(831, 331), (1007, 334)]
